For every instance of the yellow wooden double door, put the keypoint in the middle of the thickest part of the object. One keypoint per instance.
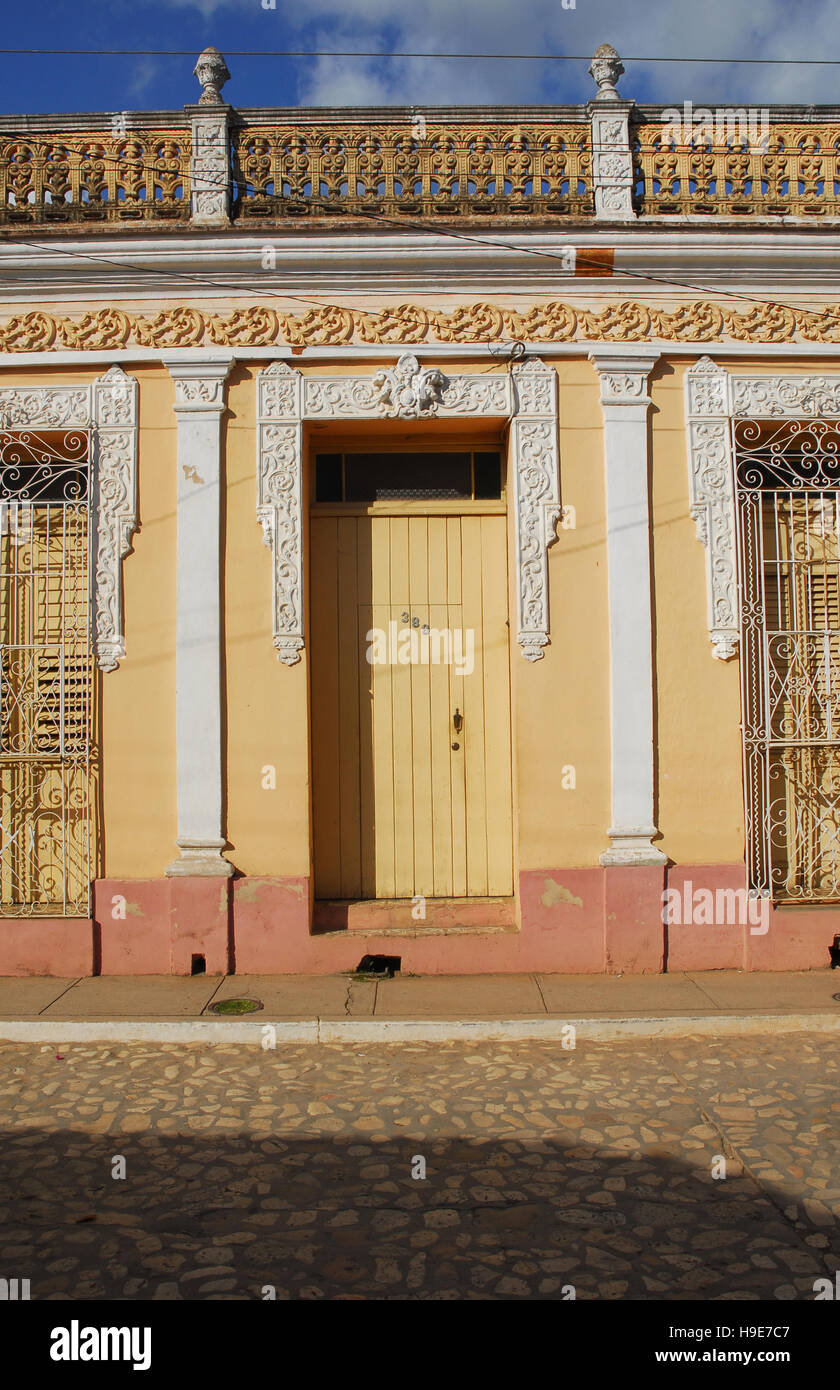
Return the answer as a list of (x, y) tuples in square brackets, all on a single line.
[(411, 753)]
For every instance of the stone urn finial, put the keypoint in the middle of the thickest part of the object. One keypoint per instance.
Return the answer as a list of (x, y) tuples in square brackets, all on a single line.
[(606, 68), (212, 72)]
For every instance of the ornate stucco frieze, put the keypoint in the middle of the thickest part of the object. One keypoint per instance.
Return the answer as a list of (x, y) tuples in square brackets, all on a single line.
[(404, 325), (51, 407), (784, 396)]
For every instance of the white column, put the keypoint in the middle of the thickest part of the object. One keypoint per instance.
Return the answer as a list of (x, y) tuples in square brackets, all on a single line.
[(625, 403), (199, 402)]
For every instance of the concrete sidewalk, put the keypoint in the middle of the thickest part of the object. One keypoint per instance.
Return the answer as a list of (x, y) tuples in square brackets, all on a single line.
[(434, 1007)]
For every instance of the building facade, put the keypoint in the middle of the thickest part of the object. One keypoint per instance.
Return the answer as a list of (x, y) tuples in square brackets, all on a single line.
[(419, 534)]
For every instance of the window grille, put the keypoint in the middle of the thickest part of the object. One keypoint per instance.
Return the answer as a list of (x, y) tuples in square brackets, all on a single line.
[(47, 683), (788, 535)]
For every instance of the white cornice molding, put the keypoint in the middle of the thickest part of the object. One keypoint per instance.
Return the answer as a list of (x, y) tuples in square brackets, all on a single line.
[(486, 352), (330, 264), (108, 409), (526, 396), (714, 398)]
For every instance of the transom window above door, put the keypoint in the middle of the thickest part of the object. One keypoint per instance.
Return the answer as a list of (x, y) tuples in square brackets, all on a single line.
[(468, 475)]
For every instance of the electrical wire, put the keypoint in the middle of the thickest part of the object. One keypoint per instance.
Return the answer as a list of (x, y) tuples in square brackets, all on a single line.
[(373, 53), (401, 222), (437, 230)]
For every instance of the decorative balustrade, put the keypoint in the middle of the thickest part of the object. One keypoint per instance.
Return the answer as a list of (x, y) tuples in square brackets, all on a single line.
[(609, 160), (788, 169), (289, 170), (87, 175)]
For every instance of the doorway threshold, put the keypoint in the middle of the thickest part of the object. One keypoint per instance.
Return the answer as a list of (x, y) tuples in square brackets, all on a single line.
[(414, 916)]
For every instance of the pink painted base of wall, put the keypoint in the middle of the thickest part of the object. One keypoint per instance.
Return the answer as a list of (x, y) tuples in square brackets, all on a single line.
[(634, 936), (790, 938), (573, 921), (157, 926), (62, 946)]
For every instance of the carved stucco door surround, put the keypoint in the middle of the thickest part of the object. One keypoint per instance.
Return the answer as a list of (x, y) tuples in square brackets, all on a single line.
[(526, 396)]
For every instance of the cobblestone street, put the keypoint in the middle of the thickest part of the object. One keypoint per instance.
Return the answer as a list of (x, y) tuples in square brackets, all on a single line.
[(544, 1169)]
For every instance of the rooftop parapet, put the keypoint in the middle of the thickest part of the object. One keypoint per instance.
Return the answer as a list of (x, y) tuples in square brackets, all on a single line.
[(214, 165)]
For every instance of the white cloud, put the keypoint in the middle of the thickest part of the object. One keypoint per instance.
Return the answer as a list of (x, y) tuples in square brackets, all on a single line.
[(144, 74), (210, 7), (762, 28), (714, 28)]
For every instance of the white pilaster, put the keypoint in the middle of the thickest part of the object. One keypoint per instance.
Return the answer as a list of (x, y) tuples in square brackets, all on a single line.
[(210, 166), (199, 402), (612, 160), (625, 403)]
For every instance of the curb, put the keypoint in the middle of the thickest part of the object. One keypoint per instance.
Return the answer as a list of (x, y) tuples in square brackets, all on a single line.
[(354, 1030)]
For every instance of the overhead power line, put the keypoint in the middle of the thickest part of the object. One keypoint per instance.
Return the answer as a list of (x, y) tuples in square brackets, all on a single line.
[(373, 53), (403, 222), (420, 226)]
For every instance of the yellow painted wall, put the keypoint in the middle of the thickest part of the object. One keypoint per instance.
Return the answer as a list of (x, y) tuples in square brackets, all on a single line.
[(139, 787), (562, 703), (700, 813), (267, 714)]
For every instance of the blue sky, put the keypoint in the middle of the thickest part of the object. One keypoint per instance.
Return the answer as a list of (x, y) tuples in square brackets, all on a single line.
[(686, 28)]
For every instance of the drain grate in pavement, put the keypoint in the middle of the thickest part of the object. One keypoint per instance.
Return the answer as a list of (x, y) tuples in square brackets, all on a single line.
[(237, 1006)]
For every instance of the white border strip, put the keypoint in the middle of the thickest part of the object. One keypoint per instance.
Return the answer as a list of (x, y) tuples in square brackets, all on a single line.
[(382, 1030)]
